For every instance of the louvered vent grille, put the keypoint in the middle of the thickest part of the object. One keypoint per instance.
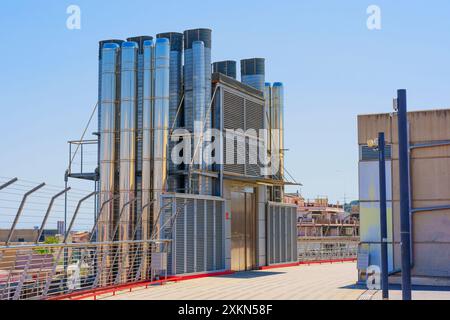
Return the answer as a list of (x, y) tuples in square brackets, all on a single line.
[(209, 236), (242, 114), (282, 238), (198, 237)]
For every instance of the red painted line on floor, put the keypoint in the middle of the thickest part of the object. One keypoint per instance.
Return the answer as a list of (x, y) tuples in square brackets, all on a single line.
[(130, 286)]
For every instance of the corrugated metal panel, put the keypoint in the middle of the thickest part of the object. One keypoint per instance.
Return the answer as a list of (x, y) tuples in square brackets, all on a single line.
[(220, 236), (294, 242), (233, 106), (277, 235), (233, 111), (282, 237), (180, 237), (271, 234), (200, 235), (246, 115), (168, 231), (283, 234), (190, 236), (209, 235)]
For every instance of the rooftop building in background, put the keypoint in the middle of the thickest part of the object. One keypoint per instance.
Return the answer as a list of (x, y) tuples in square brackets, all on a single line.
[(319, 218)]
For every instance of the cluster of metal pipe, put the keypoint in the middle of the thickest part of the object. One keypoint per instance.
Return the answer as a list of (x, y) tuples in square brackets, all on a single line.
[(134, 125), (144, 91), (140, 100), (197, 113)]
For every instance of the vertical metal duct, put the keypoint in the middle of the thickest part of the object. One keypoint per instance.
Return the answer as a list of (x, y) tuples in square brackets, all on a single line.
[(140, 40), (198, 89), (268, 116), (253, 72), (175, 91), (227, 68), (107, 114), (267, 107), (160, 121), (147, 144), (193, 109), (278, 123), (127, 174), (101, 44)]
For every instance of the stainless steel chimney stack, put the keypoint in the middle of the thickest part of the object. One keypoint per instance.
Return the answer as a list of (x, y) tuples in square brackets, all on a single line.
[(278, 123), (109, 62), (147, 140), (197, 84), (127, 154), (253, 72), (176, 91), (160, 123), (227, 68)]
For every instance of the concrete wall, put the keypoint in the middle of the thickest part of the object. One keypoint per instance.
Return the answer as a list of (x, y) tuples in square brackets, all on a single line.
[(369, 196), (27, 235), (430, 185)]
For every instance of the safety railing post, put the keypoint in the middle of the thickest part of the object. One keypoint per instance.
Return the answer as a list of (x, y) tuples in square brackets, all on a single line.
[(19, 211), (383, 217), (405, 228)]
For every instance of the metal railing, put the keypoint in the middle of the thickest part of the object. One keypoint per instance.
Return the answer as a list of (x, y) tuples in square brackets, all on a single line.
[(44, 271), (431, 258), (48, 245), (327, 249)]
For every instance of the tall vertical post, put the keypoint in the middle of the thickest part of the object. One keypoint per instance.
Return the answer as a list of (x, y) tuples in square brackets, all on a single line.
[(403, 158), (383, 217)]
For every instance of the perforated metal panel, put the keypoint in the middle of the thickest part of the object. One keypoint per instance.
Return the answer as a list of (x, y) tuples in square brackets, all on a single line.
[(282, 237), (179, 239), (209, 236), (198, 237), (220, 235), (271, 236), (200, 233), (190, 236), (277, 235)]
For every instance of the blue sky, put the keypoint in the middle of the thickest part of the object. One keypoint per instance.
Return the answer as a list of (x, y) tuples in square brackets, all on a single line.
[(333, 68)]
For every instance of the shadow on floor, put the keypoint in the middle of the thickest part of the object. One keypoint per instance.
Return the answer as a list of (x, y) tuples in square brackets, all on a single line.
[(397, 287), (251, 274)]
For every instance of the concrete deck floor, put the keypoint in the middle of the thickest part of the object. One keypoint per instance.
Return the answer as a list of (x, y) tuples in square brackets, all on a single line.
[(316, 282)]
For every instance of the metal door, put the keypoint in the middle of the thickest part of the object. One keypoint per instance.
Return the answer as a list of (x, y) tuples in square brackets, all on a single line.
[(243, 231)]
